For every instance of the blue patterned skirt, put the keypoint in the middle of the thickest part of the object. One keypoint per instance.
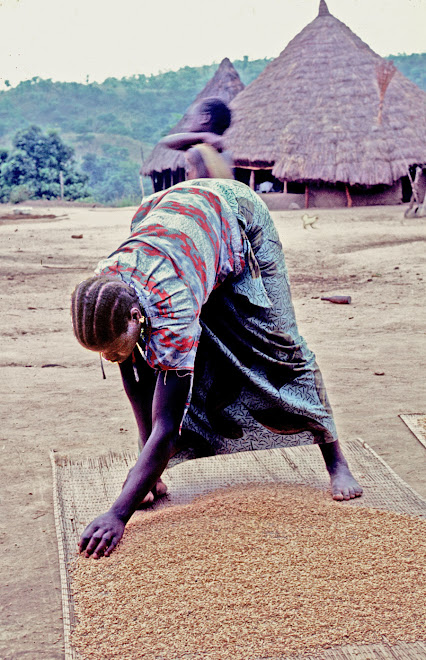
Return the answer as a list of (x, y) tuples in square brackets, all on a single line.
[(256, 383)]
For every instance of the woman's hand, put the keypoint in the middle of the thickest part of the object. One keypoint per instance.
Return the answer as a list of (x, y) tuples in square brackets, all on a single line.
[(168, 406), (101, 536)]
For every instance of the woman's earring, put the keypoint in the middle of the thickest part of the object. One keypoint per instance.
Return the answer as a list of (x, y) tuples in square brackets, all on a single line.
[(102, 367), (142, 327)]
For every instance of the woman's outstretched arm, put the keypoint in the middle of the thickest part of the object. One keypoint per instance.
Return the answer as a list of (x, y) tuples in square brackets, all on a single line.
[(186, 140), (168, 405)]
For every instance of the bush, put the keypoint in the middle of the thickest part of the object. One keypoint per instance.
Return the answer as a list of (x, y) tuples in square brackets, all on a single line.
[(33, 168), (19, 194)]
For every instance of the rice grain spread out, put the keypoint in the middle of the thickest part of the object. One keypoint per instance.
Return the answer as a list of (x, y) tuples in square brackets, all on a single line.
[(253, 572)]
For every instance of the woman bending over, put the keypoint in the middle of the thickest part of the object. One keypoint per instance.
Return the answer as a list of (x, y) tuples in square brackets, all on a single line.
[(195, 308)]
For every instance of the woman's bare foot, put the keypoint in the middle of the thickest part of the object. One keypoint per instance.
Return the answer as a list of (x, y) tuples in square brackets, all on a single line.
[(159, 490), (344, 486)]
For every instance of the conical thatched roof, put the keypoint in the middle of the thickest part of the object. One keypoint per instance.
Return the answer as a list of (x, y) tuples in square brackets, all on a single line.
[(225, 85), (313, 112)]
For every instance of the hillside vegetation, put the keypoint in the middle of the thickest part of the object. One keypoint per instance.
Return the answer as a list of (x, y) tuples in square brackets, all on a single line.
[(112, 126), (141, 108)]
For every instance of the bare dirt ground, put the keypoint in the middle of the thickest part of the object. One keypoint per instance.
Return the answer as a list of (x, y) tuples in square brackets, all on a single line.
[(372, 354)]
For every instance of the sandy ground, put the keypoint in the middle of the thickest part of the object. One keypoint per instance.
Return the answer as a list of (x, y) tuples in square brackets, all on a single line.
[(372, 354)]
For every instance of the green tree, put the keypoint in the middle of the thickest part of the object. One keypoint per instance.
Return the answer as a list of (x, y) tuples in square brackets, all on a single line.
[(4, 190), (36, 163)]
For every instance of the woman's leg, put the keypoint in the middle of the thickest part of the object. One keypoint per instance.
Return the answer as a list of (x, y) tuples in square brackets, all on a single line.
[(271, 262), (140, 394), (344, 486)]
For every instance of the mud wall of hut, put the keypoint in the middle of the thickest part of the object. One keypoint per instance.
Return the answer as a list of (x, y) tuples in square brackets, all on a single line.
[(323, 197)]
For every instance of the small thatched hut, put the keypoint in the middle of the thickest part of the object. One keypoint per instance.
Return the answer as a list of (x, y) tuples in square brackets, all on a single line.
[(167, 166), (320, 121)]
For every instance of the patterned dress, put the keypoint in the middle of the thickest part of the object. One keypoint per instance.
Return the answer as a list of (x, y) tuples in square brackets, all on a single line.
[(207, 264)]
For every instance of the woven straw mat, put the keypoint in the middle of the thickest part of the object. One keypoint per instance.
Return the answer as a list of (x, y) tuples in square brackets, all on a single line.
[(84, 489)]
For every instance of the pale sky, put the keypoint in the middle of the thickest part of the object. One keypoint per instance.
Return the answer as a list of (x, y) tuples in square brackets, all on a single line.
[(67, 40)]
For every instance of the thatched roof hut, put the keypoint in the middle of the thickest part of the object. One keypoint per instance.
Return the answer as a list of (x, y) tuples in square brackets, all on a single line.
[(167, 166), (318, 115)]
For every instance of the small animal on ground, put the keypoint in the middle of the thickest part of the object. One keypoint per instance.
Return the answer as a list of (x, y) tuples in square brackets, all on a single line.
[(309, 221), (265, 187)]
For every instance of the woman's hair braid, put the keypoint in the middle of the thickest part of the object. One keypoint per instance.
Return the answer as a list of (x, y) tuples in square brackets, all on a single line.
[(100, 309)]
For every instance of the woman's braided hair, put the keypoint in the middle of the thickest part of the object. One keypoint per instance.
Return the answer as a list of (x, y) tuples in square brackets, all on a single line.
[(100, 308)]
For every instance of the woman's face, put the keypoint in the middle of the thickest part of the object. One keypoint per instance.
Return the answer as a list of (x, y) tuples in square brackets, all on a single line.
[(122, 347)]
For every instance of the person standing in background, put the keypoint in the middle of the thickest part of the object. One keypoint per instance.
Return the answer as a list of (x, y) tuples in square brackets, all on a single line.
[(203, 142)]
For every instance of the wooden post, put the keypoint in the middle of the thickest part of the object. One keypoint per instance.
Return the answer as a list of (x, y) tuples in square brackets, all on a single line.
[(61, 183), (252, 184), (306, 196), (348, 197)]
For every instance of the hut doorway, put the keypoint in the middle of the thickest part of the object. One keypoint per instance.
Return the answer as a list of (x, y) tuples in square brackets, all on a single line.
[(259, 179)]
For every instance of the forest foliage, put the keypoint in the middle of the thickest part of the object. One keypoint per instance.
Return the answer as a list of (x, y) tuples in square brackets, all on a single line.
[(40, 166), (111, 127)]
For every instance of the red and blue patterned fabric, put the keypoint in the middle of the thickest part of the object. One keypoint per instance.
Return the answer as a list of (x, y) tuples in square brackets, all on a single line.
[(183, 243), (207, 264)]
